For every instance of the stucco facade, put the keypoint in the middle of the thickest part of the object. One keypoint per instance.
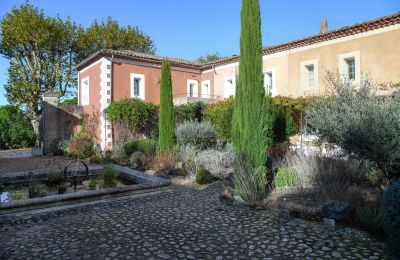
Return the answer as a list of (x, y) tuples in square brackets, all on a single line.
[(294, 69)]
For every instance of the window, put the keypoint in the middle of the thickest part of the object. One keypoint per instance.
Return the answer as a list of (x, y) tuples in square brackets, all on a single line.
[(229, 86), (192, 88), (309, 74), (85, 91), (270, 81), (205, 89), (310, 69), (137, 86), (349, 66)]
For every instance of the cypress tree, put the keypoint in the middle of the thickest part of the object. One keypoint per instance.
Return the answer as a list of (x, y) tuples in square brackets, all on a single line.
[(251, 132), (166, 124)]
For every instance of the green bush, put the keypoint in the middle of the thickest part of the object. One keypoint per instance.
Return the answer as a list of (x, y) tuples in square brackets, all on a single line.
[(139, 116), (283, 124), (81, 146), (369, 217), (189, 112), (95, 159), (109, 176), (15, 129), (362, 123), (137, 160), (34, 190), (55, 178), (201, 135), (146, 146), (203, 176), (391, 217), (285, 176), (119, 156), (61, 188), (220, 115), (92, 185)]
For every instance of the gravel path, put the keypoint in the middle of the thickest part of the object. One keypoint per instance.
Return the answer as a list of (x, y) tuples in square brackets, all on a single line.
[(183, 223)]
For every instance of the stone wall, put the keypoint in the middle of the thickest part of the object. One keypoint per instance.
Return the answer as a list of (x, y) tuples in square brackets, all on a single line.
[(58, 122)]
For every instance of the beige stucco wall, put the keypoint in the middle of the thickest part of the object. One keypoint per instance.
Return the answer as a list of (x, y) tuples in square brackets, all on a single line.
[(379, 57)]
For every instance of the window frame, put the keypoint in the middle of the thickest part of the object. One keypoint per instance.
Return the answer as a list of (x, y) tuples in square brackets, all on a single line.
[(206, 94), (196, 88), (273, 89), (344, 66), (305, 74), (233, 86), (85, 89), (141, 85)]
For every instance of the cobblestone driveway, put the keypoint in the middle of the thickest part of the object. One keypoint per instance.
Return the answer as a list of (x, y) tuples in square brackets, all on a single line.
[(182, 223)]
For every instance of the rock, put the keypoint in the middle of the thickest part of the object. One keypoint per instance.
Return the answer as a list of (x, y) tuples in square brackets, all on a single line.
[(227, 197), (338, 210)]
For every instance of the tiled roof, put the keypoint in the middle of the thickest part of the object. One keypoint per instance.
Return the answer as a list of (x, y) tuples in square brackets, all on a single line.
[(321, 37)]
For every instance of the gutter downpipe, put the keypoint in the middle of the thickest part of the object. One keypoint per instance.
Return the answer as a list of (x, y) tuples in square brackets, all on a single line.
[(111, 90)]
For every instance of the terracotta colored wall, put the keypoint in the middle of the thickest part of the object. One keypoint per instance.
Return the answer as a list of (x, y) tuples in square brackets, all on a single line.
[(122, 84), (94, 92), (219, 76), (209, 76)]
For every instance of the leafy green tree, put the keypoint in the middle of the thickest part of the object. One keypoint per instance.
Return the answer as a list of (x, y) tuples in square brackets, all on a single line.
[(15, 129), (251, 132), (209, 57), (70, 101), (110, 35), (40, 50), (251, 127), (166, 123)]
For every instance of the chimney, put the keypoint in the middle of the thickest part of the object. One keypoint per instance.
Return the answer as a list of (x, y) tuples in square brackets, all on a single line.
[(323, 27)]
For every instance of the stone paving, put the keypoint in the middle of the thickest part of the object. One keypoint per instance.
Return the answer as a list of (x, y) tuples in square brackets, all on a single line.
[(180, 224)]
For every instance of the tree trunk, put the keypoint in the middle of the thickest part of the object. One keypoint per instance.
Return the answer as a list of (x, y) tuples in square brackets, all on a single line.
[(35, 121)]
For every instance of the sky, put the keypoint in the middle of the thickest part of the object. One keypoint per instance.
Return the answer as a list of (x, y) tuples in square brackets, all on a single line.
[(190, 28)]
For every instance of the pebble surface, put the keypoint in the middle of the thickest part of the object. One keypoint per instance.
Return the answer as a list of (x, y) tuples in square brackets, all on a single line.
[(182, 224)]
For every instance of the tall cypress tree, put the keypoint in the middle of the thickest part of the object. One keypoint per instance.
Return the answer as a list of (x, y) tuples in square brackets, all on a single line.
[(166, 124), (250, 131)]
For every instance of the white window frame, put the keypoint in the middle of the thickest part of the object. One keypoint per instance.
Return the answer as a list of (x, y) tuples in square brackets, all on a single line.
[(195, 90), (206, 92), (141, 85), (273, 89), (85, 91), (304, 74), (343, 66), (229, 92)]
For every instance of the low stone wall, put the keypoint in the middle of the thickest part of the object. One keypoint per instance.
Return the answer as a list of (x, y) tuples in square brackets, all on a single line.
[(21, 153)]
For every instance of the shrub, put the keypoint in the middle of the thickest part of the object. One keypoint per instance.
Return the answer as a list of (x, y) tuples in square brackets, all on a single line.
[(15, 129), (361, 123), (140, 117), (391, 217), (188, 155), (137, 160), (17, 195), (201, 135), (368, 216), (81, 146), (95, 159), (203, 176), (61, 188), (55, 178), (220, 115), (34, 190), (285, 176), (165, 161), (145, 146), (218, 162), (119, 156), (92, 185), (61, 146), (109, 176), (250, 183), (283, 124), (189, 112)]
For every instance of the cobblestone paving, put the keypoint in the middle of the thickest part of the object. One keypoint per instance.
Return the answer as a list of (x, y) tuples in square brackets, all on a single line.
[(184, 224)]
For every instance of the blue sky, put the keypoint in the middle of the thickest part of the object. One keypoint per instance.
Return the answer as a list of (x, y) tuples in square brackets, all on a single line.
[(190, 28)]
